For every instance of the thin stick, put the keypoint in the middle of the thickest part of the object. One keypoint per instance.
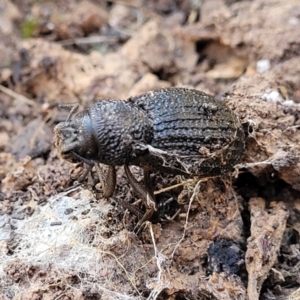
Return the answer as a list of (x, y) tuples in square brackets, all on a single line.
[(187, 182), (87, 40), (16, 95), (128, 3)]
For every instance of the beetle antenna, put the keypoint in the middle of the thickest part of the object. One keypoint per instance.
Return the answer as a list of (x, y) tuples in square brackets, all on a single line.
[(73, 108)]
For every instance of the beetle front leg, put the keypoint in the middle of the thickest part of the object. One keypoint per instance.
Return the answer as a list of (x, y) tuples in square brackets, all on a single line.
[(108, 182), (86, 171)]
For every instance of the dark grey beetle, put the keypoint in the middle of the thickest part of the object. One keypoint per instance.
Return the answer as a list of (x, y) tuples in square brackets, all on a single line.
[(175, 130)]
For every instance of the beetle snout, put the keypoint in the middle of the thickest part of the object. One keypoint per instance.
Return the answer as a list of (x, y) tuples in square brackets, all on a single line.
[(59, 135), (65, 137)]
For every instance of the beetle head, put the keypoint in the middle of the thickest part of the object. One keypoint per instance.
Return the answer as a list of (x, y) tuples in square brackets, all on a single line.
[(74, 139)]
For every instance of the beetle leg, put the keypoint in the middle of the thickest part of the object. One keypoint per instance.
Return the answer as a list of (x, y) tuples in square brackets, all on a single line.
[(130, 207), (148, 187), (108, 182), (139, 226), (145, 193), (83, 159), (69, 146), (86, 170)]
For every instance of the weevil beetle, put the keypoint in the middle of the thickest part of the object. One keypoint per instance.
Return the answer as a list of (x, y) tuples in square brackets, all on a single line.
[(174, 130)]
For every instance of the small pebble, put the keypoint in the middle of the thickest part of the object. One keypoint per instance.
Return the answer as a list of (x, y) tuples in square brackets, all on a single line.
[(263, 65), (56, 223), (85, 212), (68, 211)]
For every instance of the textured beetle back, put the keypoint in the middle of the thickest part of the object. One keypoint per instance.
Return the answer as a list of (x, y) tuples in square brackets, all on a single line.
[(199, 134), (184, 120)]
